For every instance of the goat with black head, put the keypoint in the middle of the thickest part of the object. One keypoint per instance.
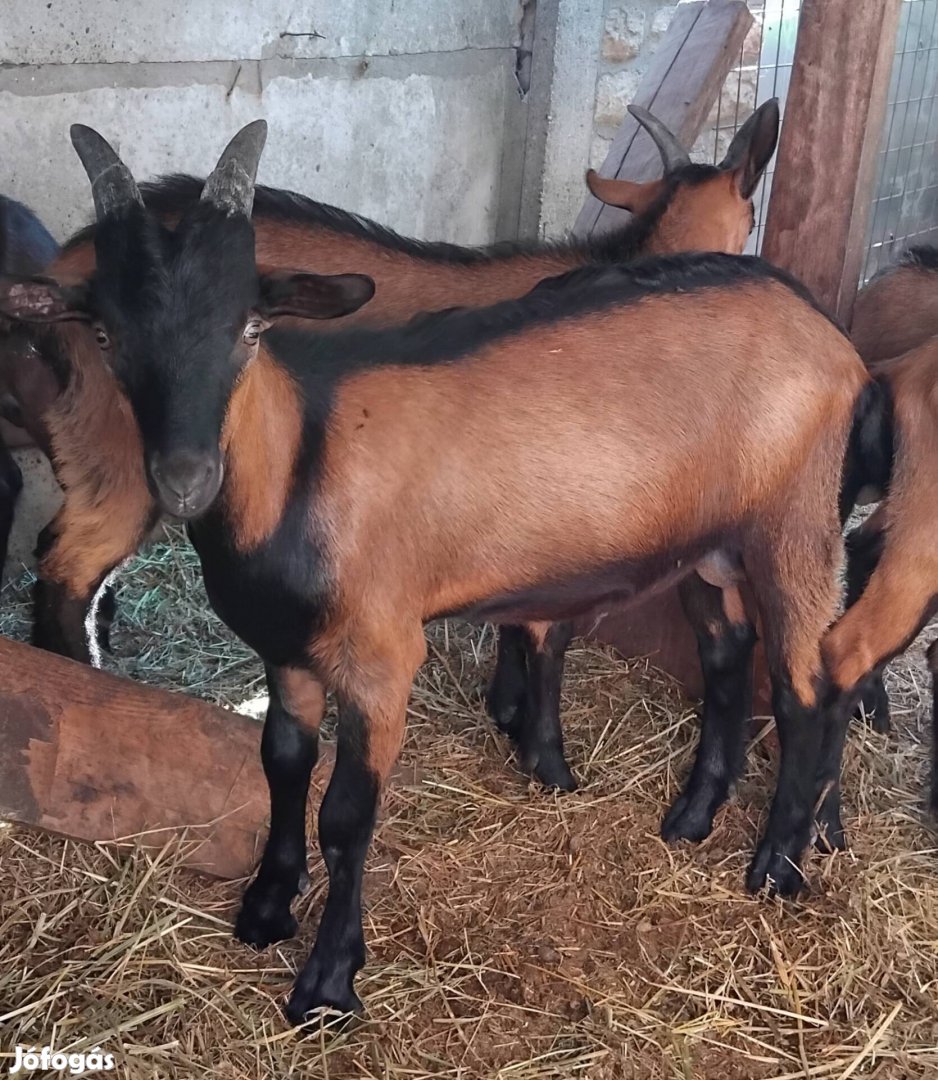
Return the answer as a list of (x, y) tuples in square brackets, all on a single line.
[(532, 461), (181, 312)]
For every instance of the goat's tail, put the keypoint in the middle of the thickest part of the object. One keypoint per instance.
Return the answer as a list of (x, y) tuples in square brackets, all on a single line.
[(869, 455)]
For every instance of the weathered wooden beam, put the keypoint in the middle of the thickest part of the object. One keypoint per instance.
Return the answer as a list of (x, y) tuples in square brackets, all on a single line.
[(825, 171), (680, 86), (98, 757)]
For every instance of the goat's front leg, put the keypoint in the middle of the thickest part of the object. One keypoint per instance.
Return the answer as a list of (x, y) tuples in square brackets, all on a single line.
[(289, 749), (507, 692), (370, 733), (539, 735), (524, 698)]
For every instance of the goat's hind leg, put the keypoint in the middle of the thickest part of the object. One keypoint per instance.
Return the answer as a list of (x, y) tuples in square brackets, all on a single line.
[(864, 549), (289, 748), (792, 569), (725, 640)]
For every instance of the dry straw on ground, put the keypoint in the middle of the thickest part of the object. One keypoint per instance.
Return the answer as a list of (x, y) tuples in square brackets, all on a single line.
[(512, 933)]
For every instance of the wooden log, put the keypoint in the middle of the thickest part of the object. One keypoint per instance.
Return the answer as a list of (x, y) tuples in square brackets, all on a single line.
[(680, 86), (825, 169), (97, 757)]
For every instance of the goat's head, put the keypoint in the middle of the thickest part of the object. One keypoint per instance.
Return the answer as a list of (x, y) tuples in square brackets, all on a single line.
[(179, 313), (705, 207)]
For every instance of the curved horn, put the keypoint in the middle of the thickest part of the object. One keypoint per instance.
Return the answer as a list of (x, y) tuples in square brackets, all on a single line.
[(673, 155), (113, 187), (231, 185)]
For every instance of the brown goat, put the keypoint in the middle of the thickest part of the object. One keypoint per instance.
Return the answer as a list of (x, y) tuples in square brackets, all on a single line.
[(898, 309), (612, 431), (896, 546), (94, 444), (895, 313)]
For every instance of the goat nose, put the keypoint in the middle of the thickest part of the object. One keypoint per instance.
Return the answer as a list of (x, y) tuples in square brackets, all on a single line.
[(184, 475)]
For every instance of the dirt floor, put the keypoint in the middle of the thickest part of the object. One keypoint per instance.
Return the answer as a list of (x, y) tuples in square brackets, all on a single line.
[(512, 933)]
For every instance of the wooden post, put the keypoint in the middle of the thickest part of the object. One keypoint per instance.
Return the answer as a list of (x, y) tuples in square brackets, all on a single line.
[(98, 757), (819, 214), (680, 86)]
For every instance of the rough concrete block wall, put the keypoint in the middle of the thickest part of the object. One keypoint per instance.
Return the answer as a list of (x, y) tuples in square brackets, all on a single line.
[(399, 111), (403, 111)]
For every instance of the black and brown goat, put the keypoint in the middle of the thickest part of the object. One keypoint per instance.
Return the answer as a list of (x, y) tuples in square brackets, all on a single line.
[(622, 428), (91, 437), (26, 247)]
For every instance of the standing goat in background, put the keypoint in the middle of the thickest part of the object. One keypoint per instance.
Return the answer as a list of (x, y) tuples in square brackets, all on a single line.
[(686, 418)]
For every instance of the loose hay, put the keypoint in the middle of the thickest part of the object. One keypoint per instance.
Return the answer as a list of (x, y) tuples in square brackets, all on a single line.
[(512, 933)]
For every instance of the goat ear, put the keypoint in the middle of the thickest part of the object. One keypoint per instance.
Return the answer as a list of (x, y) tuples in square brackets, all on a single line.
[(42, 300), (629, 194), (313, 296), (752, 148)]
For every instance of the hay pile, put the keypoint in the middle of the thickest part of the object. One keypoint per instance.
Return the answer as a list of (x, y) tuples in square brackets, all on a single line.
[(512, 934)]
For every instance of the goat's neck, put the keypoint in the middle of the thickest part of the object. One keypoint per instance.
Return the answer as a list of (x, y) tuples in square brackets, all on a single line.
[(261, 441)]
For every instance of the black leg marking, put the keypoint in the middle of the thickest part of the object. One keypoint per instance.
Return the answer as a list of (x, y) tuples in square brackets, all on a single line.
[(11, 484), (778, 857), (288, 751), (837, 710), (864, 548), (725, 651), (346, 822), (505, 700), (540, 735)]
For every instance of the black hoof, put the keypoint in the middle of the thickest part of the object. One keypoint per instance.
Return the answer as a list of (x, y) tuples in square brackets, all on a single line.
[(548, 765), (315, 996), (264, 917), (688, 819), (777, 870)]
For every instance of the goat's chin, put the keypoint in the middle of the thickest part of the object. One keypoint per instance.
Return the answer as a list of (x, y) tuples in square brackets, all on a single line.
[(188, 509)]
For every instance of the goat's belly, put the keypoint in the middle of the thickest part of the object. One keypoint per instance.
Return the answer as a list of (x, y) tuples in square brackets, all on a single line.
[(612, 585)]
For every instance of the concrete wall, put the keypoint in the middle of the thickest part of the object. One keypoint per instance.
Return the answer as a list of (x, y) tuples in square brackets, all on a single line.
[(400, 111), (404, 111)]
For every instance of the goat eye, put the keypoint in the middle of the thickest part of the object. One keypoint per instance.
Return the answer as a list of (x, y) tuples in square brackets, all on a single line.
[(101, 336), (252, 332)]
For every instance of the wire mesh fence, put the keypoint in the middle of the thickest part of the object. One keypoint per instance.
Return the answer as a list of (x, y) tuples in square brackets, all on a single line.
[(905, 202), (905, 206)]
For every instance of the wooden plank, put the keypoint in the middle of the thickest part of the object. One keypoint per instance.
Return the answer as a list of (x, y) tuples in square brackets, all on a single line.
[(825, 168), (97, 757), (680, 86)]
